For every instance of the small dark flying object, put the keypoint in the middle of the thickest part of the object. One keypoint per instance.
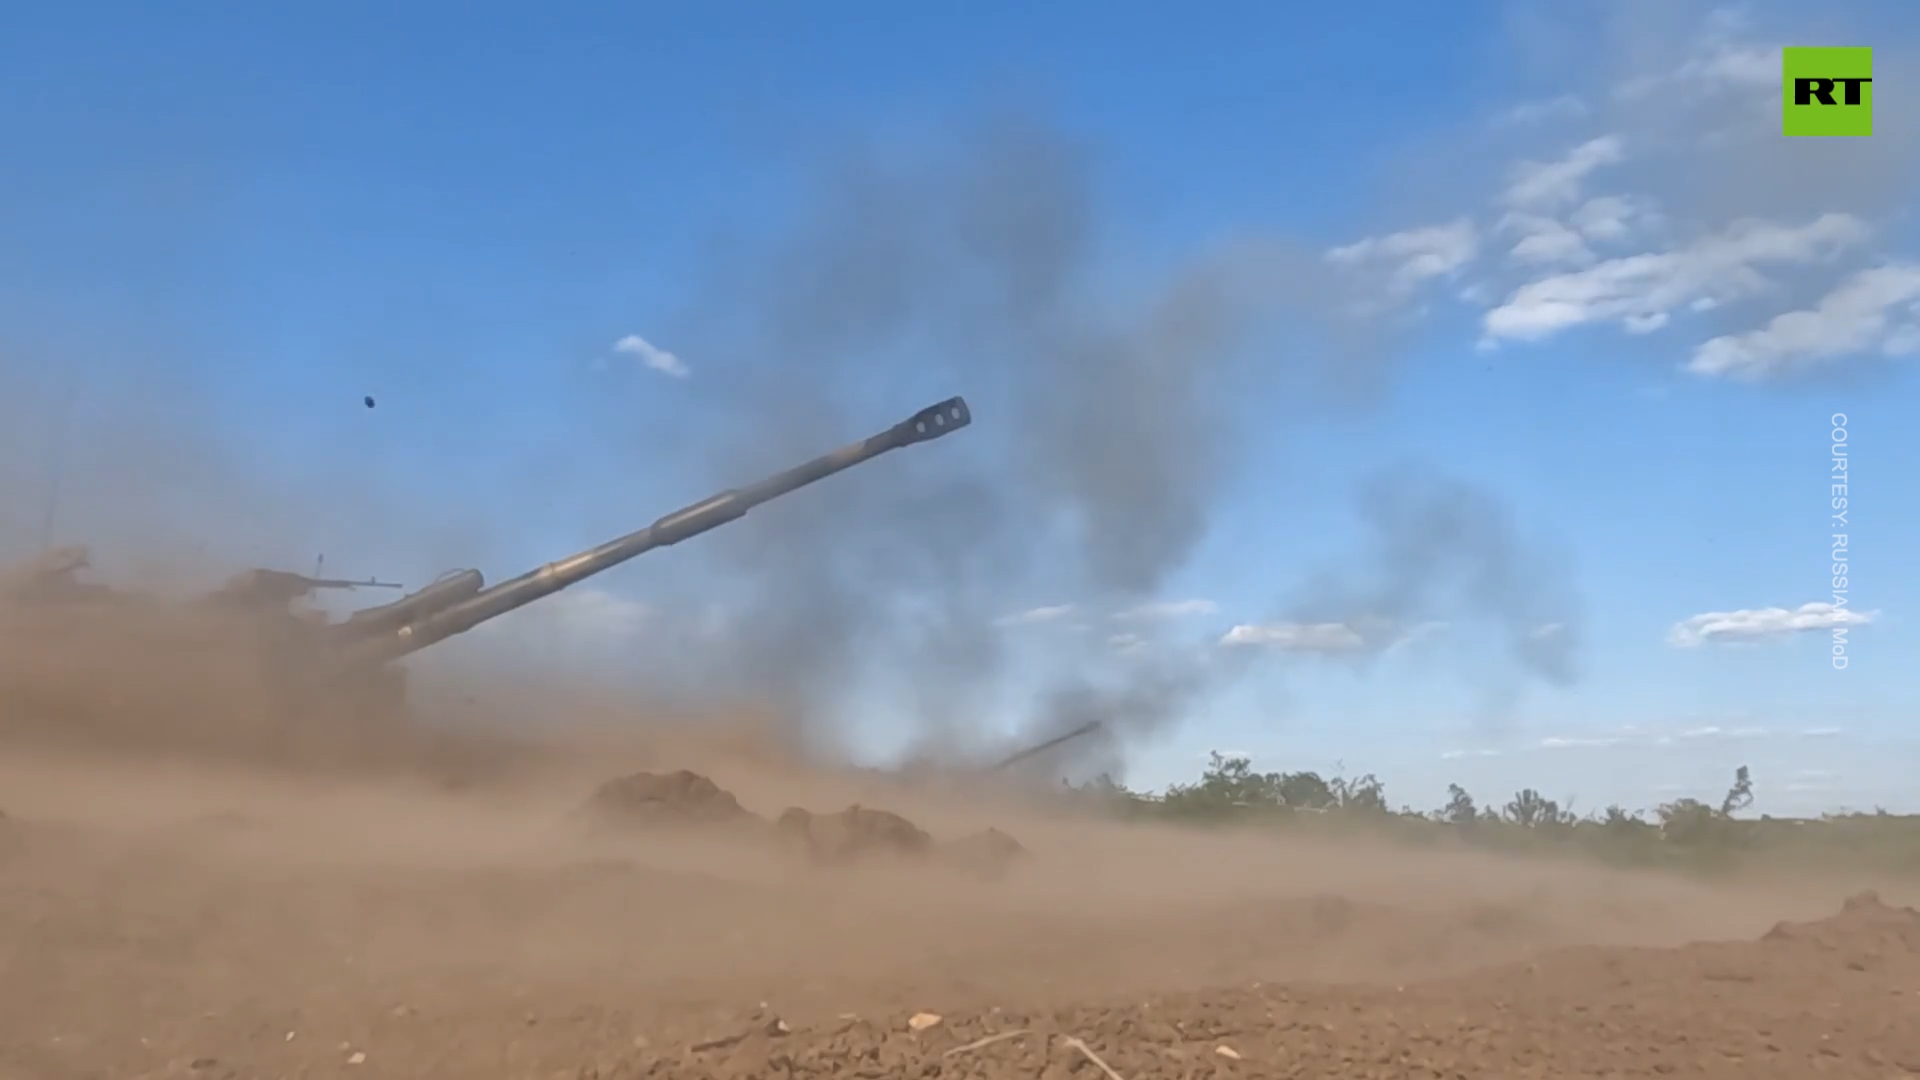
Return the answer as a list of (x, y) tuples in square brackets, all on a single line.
[(369, 400)]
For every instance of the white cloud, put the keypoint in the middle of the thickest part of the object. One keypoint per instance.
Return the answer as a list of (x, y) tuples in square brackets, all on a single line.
[(1716, 732), (1613, 257), (1761, 624), (652, 356), (1567, 255), (1381, 636), (1736, 67), (1564, 107), (1721, 66), (1416, 255), (1634, 737), (1607, 218), (1640, 290), (1724, 58), (1297, 637), (1819, 732), (1033, 616), (1126, 643), (1169, 609), (1547, 186), (1875, 309), (1565, 742), (1545, 242)]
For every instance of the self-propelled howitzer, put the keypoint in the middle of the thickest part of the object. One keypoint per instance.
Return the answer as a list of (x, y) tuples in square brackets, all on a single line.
[(460, 601)]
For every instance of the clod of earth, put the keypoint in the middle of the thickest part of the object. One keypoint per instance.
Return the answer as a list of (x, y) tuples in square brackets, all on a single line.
[(856, 833), (989, 854), (676, 799), (1866, 930), (686, 799)]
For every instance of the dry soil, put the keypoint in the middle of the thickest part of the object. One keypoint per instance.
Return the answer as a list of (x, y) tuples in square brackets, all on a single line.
[(187, 918), (184, 894)]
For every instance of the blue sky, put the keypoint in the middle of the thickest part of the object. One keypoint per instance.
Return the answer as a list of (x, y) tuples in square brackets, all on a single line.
[(217, 234)]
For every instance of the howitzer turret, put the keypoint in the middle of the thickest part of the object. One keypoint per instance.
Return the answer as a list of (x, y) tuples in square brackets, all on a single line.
[(258, 588), (460, 601)]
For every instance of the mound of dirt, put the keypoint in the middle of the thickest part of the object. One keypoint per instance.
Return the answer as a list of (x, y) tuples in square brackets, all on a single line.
[(1865, 927), (857, 833), (684, 799), (989, 854), (679, 799)]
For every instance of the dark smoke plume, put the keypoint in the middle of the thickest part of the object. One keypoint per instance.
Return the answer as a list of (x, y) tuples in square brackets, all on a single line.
[(1112, 395), (1110, 410), (1445, 550)]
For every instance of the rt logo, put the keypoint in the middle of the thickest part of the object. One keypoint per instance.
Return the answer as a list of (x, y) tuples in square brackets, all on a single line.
[(1826, 91)]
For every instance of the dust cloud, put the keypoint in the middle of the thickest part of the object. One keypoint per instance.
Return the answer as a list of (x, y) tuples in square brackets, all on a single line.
[(170, 914), (1118, 397), (200, 875)]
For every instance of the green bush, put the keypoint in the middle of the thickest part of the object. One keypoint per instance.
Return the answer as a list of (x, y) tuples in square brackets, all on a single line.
[(1687, 834)]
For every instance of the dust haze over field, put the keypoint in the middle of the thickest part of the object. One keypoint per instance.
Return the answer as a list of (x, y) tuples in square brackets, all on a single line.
[(190, 919), (190, 887), (268, 892)]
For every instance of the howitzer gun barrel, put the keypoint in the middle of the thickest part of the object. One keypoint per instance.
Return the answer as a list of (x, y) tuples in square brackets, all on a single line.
[(1040, 748), (690, 521)]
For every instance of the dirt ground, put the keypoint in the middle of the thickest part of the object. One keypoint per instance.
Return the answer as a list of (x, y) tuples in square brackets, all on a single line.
[(186, 892), (184, 918)]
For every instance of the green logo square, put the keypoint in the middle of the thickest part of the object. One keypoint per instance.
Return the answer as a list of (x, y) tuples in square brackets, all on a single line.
[(1826, 91)]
